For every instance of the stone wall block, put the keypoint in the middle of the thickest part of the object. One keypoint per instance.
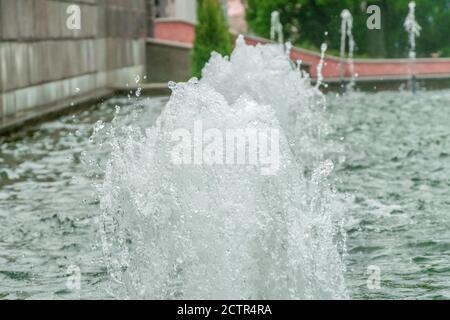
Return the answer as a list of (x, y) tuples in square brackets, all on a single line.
[(55, 19), (9, 24), (41, 19), (26, 19)]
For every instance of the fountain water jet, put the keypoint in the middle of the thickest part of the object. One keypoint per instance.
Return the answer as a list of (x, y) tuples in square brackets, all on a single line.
[(346, 32), (225, 232), (323, 49), (413, 29), (276, 28)]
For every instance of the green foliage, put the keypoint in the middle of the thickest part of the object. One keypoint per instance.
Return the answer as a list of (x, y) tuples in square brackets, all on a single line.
[(211, 34), (306, 21)]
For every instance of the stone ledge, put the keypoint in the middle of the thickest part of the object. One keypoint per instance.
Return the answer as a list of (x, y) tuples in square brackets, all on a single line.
[(21, 120), (148, 89)]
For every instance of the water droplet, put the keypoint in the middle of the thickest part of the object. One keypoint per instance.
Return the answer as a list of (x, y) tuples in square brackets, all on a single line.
[(138, 92), (172, 85)]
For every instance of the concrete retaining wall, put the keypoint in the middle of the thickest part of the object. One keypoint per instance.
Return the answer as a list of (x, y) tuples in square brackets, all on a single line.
[(43, 62), (168, 61), (334, 70)]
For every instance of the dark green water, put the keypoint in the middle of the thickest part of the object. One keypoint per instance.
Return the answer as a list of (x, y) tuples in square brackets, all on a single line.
[(396, 177)]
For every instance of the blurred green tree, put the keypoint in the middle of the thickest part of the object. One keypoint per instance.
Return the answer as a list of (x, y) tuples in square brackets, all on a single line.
[(306, 21), (211, 34)]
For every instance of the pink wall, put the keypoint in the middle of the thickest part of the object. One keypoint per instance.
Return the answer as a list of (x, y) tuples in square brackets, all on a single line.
[(180, 31)]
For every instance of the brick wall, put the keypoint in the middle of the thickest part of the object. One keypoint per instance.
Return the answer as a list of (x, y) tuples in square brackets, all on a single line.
[(42, 61)]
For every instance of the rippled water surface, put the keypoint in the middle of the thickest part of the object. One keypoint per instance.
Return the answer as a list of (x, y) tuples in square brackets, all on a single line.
[(396, 177), (397, 174)]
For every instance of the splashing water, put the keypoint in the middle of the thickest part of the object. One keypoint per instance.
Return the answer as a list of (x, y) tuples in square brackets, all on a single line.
[(225, 232), (276, 28), (346, 32)]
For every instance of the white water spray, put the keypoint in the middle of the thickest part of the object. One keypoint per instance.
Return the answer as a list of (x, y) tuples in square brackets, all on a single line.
[(346, 33), (226, 232)]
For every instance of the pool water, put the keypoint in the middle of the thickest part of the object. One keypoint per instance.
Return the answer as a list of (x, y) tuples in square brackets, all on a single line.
[(395, 180), (397, 173)]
